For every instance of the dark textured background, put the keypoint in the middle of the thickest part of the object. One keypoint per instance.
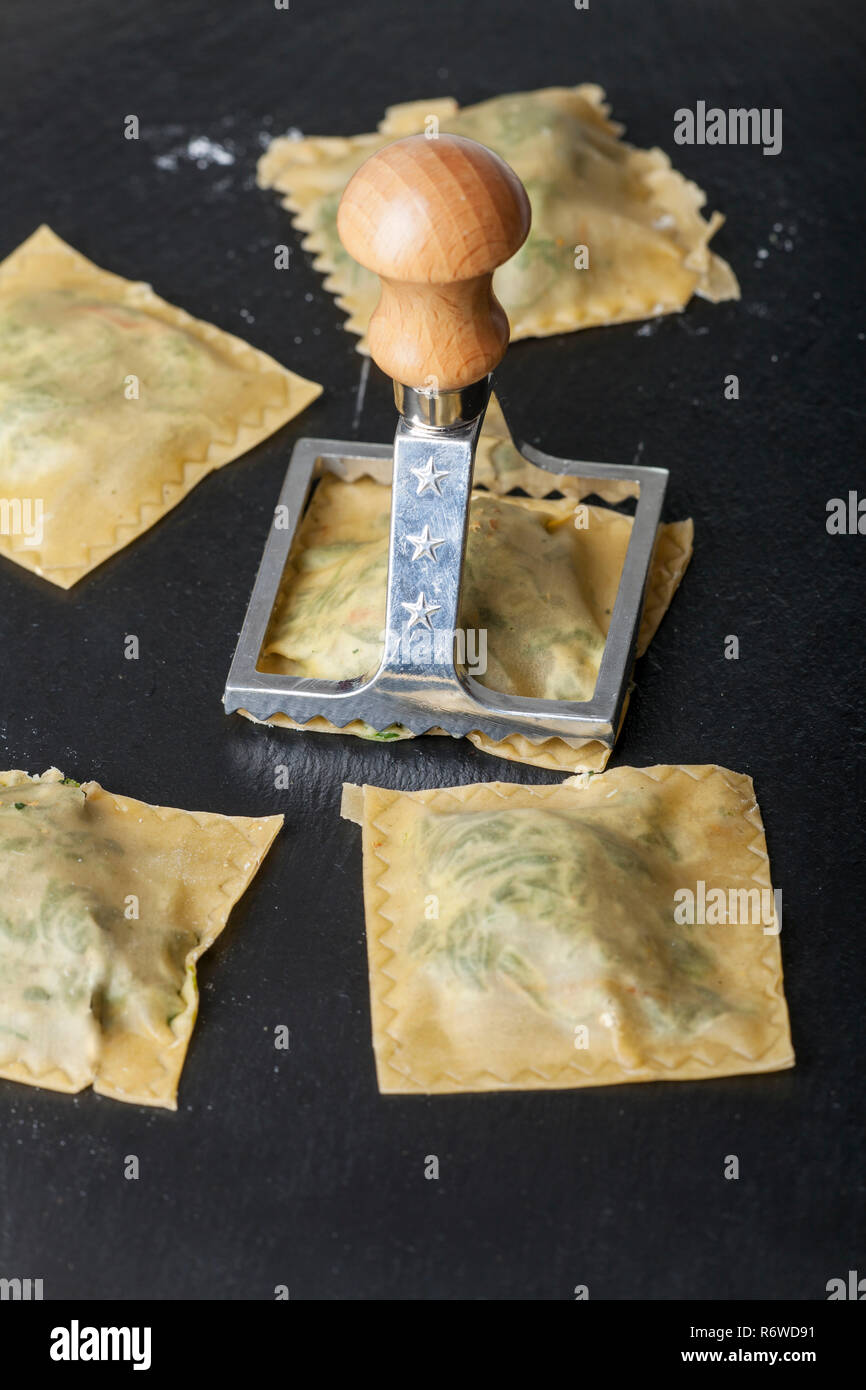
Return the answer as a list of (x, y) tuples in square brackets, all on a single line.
[(290, 1168)]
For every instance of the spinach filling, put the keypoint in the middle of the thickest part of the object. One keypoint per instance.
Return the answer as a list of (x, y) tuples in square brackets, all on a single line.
[(568, 911)]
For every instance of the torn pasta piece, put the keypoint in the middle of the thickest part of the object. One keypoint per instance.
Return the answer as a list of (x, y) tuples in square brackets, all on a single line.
[(542, 937), (107, 904)]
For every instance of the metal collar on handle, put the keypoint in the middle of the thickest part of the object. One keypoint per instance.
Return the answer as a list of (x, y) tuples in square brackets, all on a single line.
[(442, 410)]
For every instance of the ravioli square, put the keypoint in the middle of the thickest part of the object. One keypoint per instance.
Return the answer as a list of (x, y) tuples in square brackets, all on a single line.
[(539, 586), (548, 937), (113, 405), (617, 233), (107, 904)]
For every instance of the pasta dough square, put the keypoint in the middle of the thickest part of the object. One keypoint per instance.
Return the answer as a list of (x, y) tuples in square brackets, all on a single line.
[(107, 905), (113, 405), (538, 592), (534, 938), (617, 234)]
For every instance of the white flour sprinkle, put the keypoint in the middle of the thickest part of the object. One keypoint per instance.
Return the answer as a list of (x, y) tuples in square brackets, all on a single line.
[(781, 238), (206, 152), (200, 151), (266, 136)]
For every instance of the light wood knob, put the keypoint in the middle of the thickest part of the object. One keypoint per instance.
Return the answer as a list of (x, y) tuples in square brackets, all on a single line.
[(434, 218)]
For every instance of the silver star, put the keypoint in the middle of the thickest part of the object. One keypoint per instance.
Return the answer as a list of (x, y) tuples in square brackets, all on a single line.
[(421, 611), (428, 477), (425, 545)]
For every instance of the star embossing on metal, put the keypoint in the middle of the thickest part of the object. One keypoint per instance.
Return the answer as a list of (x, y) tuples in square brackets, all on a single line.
[(420, 611), (428, 477), (425, 545)]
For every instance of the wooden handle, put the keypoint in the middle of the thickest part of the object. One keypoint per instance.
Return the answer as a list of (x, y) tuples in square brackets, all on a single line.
[(434, 218)]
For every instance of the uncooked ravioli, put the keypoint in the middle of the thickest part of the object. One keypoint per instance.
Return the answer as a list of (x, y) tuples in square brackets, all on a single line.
[(617, 234), (107, 904), (540, 583), (532, 938), (113, 405)]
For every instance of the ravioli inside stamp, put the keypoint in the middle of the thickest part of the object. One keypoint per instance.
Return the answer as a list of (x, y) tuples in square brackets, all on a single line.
[(540, 581)]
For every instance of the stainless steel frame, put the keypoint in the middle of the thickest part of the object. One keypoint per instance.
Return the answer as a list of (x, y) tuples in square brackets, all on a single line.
[(431, 479)]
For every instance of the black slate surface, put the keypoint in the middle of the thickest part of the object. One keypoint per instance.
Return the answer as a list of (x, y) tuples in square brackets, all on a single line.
[(290, 1169)]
